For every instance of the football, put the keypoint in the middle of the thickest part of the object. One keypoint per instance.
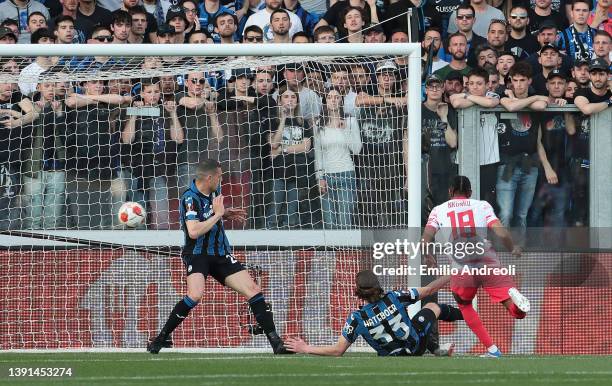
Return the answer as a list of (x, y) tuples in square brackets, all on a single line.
[(131, 214)]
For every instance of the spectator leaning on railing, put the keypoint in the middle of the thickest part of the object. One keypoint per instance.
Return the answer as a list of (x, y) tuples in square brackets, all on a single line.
[(380, 165), (553, 193), (336, 137), (594, 99), (149, 146), (17, 113), (290, 142), (43, 156), (197, 112), (520, 148), (478, 95), (439, 143), (92, 139)]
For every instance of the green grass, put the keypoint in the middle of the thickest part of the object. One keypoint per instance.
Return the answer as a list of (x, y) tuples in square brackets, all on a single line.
[(352, 369)]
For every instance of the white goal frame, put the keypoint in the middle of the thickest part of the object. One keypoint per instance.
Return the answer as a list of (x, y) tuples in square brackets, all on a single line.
[(411, 50)]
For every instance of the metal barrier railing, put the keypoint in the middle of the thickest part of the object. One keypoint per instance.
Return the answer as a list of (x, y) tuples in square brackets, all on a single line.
[(600, 177)]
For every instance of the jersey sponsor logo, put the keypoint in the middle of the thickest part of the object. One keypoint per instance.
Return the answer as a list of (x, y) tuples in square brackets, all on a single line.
[(208, 214)]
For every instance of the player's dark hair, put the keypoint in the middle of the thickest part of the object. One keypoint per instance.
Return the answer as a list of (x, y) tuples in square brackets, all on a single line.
[(368, 287), (301, 34), (148, 82), (121, 17), (350, 8), (280, 10), (461, 185), (479, 72), (519, 5), (321, 30), (252, 28), (521, 68), (433, 28), (466, 5), (61, 19), (601, 32), (101, 28), (137, 10), (455, 35), (485, 47), (206, 168), (36, 13), (224, 14), (587, 2)]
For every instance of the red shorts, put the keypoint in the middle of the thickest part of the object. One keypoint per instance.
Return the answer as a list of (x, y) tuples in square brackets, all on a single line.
[(497, 286)]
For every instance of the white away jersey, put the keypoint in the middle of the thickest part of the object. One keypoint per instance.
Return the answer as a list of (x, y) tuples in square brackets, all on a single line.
[(463, 220)]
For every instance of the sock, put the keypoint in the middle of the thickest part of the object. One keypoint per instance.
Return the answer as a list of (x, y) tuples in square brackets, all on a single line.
[(264, 317), (493, 349), (433, 338), (475, 324), (516, 312), (449, 313), (178, 314)]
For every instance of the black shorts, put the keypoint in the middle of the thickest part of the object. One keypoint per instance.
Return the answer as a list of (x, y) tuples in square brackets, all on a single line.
[(219, 267), (422, 323)]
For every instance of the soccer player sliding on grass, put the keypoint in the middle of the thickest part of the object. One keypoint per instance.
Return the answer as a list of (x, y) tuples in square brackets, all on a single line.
[(384, 322), (462, 220)]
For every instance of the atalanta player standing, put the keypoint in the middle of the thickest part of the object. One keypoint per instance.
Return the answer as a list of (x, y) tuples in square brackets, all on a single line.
[(207, 251)]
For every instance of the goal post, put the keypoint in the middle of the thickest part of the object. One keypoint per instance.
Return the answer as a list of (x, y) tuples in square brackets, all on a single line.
[(103, 287)]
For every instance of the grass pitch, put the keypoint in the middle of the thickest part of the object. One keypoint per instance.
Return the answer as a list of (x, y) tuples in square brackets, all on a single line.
[(352, 369)]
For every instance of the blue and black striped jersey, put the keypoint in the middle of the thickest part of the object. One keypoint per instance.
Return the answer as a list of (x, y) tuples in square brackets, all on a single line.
[(197, 206), (385, 325)]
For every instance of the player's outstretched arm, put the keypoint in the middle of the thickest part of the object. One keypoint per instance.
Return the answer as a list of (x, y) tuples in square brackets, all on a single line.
[(433, 287), (299, 346), (501, 232)]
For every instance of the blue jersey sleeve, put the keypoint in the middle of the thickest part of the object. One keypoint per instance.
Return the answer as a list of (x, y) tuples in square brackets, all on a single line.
[(409, 297), (191, 208), (349, 331)]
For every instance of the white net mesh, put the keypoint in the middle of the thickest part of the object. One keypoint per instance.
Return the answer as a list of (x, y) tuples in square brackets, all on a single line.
[(86, 134)]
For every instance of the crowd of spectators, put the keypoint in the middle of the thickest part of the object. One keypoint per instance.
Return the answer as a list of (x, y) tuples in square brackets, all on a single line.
[(303, 145)]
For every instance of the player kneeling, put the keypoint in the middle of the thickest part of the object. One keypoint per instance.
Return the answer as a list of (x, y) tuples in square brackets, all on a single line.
[(384, 322)]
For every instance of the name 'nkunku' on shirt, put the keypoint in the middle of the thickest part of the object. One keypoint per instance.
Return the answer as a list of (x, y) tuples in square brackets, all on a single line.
[(197, 206), (385, 324)]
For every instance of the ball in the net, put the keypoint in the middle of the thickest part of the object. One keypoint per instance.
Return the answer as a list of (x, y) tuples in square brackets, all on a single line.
[(131, 214)]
